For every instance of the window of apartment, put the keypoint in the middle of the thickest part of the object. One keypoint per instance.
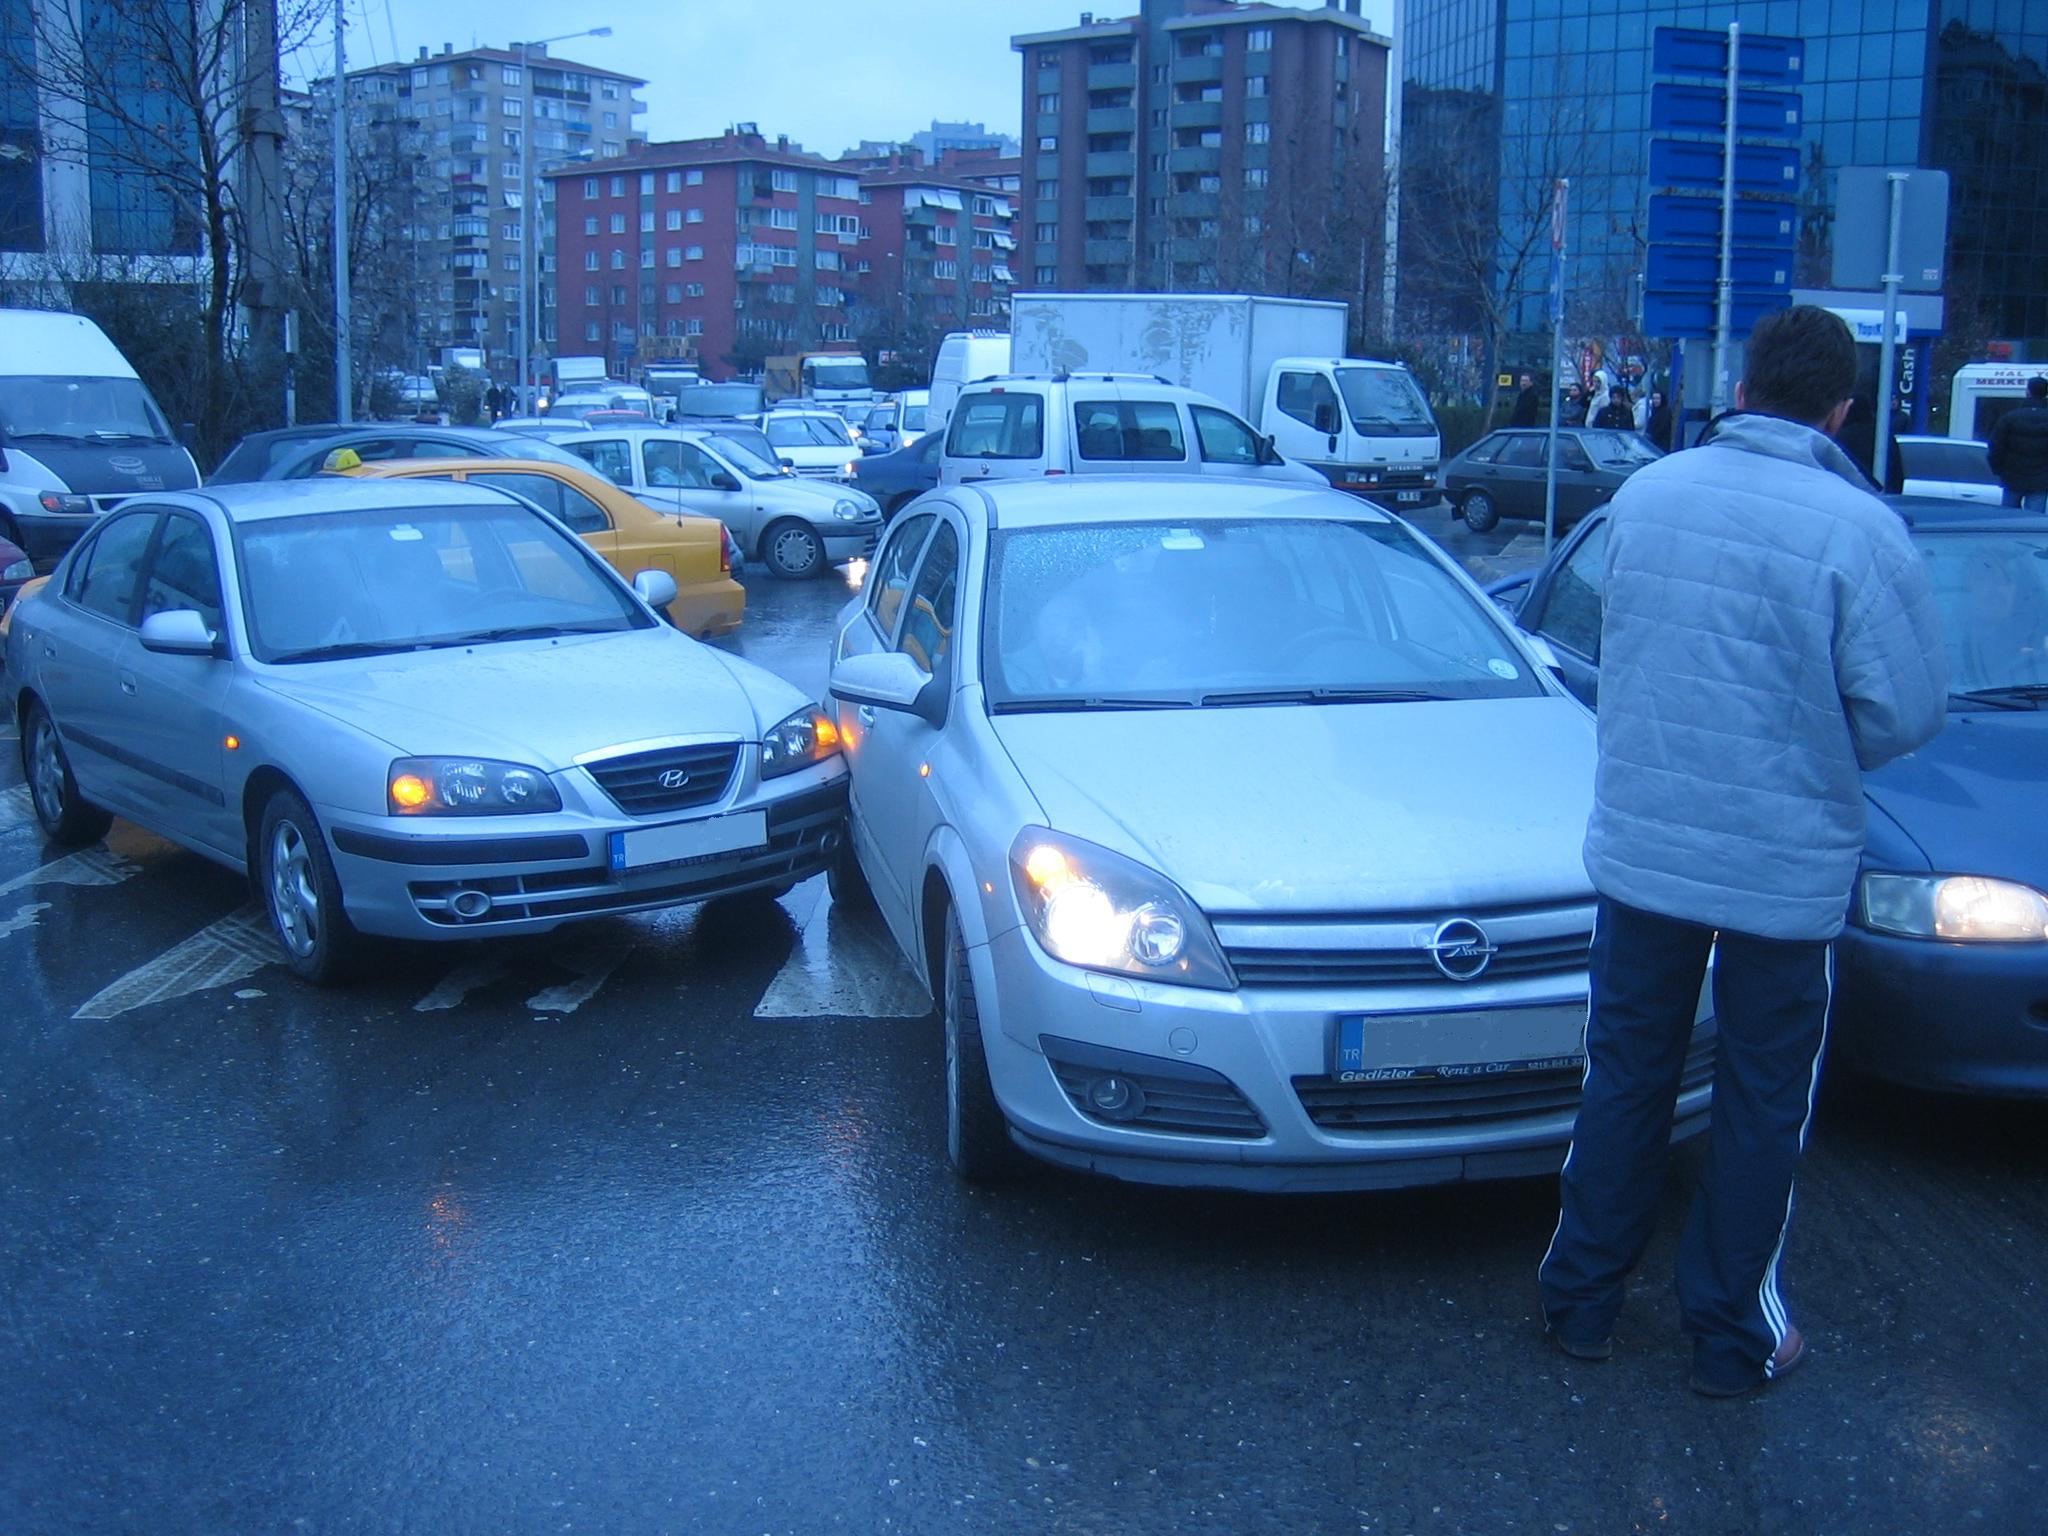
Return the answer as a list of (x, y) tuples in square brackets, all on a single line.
[(509, 171), (508, 231), (945, 270), (510, 261), (1159, 162), (1256, 85), (782, 180), (674, 181), (675, 255), (611, 119), (1201, 45), (1049, 144), (1049, 102), (590, 294), (646, 221), (618, 294), (618, 261), (618, 186), (693, 290), (838, 186), (693, 253), (845, 225), (945, 234), (510, 106), (511, 138), (647, 257), (1046, 234), (1048, 189), (608, 90), (675, 218), (693, 215), (693, 327), (646, 180), (782, 218), (590, 262), (611, 148), (590, 225), (590, 186), (618, 223), (1255, 177), (591, 332), (826, 261), (1258, 40), (984, 239), (693, 178), (1257, 133), (980, 275)]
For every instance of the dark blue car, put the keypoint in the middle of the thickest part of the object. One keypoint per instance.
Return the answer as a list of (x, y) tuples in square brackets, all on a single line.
[(897, 479), (1942, 971)]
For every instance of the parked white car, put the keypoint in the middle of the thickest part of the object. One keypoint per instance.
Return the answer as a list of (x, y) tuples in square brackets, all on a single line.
[(795, 526), (1952, 468), (1147, 783), (816, 443), (964, 358), (1030, 425)]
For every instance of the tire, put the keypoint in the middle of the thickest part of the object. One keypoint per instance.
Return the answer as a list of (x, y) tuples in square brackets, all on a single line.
[(978, 1141), (792, 550), (1479, 512), (843, 878), (301, 894), (64, 814)]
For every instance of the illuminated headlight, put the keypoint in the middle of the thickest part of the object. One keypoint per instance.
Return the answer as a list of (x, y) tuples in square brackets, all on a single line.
[(64, 501), (19, 570), (1967, 908), (848, 467), (848, 511), (806, 737), (467, 786), (1096, 909)]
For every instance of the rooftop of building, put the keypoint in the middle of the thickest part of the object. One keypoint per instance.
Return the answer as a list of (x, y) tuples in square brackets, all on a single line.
[(1205, 14), (743, 144), (536, 57)]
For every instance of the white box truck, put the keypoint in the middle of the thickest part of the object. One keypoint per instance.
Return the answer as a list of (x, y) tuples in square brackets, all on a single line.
[(1278, 363)]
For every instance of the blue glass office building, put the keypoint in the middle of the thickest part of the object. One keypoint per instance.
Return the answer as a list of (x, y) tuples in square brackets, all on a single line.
[(1960, 85)]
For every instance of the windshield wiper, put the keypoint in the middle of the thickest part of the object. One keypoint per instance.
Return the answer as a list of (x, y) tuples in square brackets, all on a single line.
[(1325, 696), (1070, 705), (2011, 696), (345, 649), (516, 632)]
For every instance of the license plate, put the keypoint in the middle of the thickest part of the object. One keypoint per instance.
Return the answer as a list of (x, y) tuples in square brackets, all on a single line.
[(1477, 1043), (1408, 496), (681, 842)]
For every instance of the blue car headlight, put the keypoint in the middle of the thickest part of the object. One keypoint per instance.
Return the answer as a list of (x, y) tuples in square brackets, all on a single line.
[(1090, 907), (467, 786), (1964, 908)]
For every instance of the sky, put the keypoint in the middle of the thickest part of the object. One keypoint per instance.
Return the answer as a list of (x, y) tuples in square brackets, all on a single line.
[(828, 73)]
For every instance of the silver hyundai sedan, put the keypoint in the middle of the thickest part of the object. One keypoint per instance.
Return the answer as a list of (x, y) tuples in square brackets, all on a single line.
[(1163, 784), (416, 709)]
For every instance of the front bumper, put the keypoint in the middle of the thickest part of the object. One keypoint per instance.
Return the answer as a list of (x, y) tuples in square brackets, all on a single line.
[(401, 882), (849, 541), (1962, 1018), (1243, 1086)]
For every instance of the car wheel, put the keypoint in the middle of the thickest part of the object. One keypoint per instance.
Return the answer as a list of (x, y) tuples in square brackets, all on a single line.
[(1479, 512), (793, 550), (978, 1141), (843, 878), (64, 814), (302, 894)]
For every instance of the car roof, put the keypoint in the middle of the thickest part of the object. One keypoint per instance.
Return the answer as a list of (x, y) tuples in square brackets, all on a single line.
[(1070, 499), (427, 469), (1936, 437), (264, 500), (639, 432), (1947, 514)]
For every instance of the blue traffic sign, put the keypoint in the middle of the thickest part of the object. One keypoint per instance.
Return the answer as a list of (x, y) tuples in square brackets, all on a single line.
[(1704, 109), (1672, 316), (1697, 221), (1696, 164), (1694, 51), (1674, 268)]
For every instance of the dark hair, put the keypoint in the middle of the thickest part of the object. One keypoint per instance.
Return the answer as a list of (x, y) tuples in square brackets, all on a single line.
[(1801, 364), (2037, 387)]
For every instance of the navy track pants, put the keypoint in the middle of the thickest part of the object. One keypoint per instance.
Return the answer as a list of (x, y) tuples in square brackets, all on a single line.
[(1771, 1001)]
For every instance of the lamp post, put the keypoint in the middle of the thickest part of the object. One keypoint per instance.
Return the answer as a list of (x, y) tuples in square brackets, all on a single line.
[(529, 196)]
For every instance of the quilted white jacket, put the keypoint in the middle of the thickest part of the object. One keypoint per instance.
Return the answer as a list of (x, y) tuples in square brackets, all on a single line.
[(1768, 634)]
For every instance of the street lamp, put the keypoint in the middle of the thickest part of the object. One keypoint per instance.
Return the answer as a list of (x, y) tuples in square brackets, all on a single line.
[(529, 301)]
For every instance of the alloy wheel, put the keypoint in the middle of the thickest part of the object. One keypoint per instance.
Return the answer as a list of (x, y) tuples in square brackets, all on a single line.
[(46, 767), (294, 899)]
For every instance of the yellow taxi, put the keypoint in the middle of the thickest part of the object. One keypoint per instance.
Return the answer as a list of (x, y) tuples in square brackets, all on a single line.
[(630, 535)]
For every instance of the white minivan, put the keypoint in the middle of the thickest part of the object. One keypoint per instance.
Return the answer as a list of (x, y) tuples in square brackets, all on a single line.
[(964, 356), (796, 527), (79, 433), (1022, 425)]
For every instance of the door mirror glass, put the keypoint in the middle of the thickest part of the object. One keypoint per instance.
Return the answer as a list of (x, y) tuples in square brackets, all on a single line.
[(657, 589), (178, 632), (886, 680), (721, 481)]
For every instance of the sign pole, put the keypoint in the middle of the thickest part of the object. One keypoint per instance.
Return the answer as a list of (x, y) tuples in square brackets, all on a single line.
[(344, 386), (1887, 356), (1560, 197), (1724, 303)]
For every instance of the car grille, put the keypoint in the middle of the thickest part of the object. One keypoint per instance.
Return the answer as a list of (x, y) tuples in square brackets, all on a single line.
[(1177, 1097), (1556, 956), (634, 782), (1425, 1103), (1388, 950)]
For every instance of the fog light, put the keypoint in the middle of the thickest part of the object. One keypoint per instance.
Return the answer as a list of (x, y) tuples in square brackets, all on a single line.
[(1116, 1098)]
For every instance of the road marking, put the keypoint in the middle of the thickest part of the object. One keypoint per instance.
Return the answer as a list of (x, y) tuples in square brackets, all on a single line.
[(89, 866), (452, 990), (844, 966), (24, 917), (593, 964), (16, 809), (218, 955)]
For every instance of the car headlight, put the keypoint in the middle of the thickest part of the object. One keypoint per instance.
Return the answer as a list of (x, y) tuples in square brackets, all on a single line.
[(1969, 908), (806, 737), (1096, 909), (467, 786), (19, 570), (848, 511), (64, 501), (848, 468)]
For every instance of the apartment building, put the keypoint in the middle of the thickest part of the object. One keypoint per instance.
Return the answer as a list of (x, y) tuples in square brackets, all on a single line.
[(729, 249), (1201, 145), (491, 121), (936, 249)]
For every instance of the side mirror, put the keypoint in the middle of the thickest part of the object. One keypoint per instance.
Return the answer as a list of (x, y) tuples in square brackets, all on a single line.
[(657, 589), (889, 680), (721, 481), (787, 463), (1267, 453), (179, 632), (869, 445)]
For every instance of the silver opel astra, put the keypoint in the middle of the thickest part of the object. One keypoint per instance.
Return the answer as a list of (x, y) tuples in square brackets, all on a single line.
[(1165, 787), (416, 709)]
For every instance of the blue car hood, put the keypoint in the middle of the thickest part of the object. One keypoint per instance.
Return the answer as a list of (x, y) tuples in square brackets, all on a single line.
[(1972, 798)]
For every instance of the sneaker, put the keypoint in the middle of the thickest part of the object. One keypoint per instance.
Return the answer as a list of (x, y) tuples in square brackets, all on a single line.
[(1583, 1349), (1783, 1361)]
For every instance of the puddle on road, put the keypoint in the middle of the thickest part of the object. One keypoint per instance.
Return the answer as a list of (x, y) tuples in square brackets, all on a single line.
[(845, 965)]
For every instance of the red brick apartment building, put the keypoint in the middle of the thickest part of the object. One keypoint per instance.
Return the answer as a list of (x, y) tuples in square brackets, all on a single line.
[(937, 249)]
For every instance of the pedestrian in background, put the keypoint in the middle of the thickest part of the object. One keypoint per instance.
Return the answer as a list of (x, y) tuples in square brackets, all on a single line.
[(1858, 439), (1657, 424), (1768, 635), (1525, 404), (1615, 413), (1574, 412), (2019, 450)]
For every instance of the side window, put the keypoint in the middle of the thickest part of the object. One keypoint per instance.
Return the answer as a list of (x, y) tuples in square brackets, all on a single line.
[(184, 573), (671, 462), (1310, 398), (581, 513), (538, 489), (1224, 439), (611, 457), (1008, 425), (890, 581), (1524, 450), (433, 448), (106, 583), (1486, 449), (928, 448), (928, 631), (1128, 429), (1571, 612), (1571, 454)]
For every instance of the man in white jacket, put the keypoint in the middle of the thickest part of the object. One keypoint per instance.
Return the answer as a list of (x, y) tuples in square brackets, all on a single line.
[(1768, 635)]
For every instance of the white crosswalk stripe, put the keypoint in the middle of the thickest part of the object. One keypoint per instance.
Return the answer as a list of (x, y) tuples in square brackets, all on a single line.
[(218, 955), (593, 965)]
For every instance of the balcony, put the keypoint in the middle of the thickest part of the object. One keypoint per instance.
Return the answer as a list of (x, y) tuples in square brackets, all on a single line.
[(1106, 253), (1113, 162), (1197, 114), (1196, 205), (1112, 120), (1195, 160), (1203, 69), (1113, 77), (575, 125), (1125, 207), (1192, 248)]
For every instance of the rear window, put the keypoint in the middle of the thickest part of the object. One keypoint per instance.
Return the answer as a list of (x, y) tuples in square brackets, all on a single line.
[(1006, 425), (1961, 461), (1138, 430)]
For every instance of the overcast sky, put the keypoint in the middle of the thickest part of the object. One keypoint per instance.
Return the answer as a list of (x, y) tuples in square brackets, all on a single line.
[(828, 73)]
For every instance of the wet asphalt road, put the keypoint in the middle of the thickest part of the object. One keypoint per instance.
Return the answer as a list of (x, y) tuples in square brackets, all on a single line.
[(645, 1227)]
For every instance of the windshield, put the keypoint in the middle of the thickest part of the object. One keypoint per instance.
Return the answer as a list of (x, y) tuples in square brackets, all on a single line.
[(837, 373), (745, 455), (1992, 590), (807, 432), (398, 579), (913, 418), (55, 408), (1628, 449), (719, 400), (1384, 402), (1214, 613)]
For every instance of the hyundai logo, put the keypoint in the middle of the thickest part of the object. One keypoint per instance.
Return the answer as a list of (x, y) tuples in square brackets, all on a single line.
[(674, 778), (1461, 949), (127, 464)]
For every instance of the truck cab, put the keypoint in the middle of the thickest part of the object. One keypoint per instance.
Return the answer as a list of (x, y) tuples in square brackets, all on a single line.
[(1365, 425)]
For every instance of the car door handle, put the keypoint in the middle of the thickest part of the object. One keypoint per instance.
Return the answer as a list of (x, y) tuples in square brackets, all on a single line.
[(866, 712), (128, 683)]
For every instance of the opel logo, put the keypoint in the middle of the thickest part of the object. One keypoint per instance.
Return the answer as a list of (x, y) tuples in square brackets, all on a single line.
[(675, 778), (127, 464), (1461, 949)]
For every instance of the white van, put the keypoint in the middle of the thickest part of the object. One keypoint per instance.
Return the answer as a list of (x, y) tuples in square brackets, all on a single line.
[(1983, 392), (964, 356), (1103, 424), (817, 443), (79, 432)]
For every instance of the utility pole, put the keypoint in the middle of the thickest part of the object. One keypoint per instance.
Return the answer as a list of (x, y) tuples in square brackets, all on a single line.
[(1560, 200), (1886, 354), (1397, 66), (1724, 288), (344, 389)]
